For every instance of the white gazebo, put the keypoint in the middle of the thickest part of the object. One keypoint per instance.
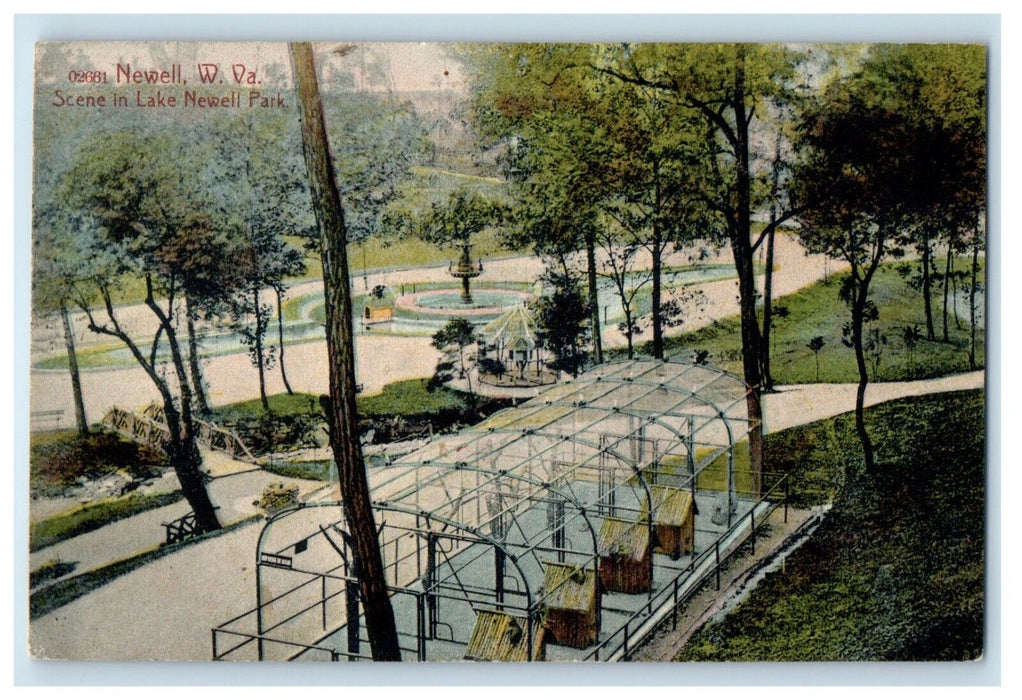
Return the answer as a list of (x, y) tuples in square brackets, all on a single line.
[(514, 336)]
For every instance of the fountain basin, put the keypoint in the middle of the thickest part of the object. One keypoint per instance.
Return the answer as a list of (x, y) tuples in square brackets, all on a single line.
[(447, 302)]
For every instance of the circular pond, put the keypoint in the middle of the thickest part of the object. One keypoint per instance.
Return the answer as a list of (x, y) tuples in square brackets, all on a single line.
[(448, 303)]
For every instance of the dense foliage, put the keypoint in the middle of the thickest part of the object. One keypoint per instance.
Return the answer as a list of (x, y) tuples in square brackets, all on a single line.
[(59, 459), (896, 570)]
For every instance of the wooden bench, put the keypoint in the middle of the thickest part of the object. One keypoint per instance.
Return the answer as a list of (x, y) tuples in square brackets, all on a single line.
[(48, 416)]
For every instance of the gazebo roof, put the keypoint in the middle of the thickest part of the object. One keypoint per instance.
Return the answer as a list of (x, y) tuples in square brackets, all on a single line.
[(514, 329)]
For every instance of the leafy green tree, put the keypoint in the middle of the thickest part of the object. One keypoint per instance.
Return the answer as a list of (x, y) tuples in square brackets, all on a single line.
[(452, 222), (859, 160), (547, 115), (727, 87), (941, 91), (563, 320), (255, 174), (618, 266), (130, 202), (816, 344), (583, 148), (655, 181), (375, 139), (894, 147), (460, 333)]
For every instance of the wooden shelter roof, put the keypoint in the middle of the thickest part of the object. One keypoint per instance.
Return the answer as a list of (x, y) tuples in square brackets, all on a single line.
[(671, 506), (498, 636), (623, 537), (569, 587)]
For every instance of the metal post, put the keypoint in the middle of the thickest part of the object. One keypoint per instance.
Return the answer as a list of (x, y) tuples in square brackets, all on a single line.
[(752, 520), (351, 603), (674, 610), (624, 657), (431, 600), (528, 634), (730, 483), (690, 458), (785, 498), (716, 548), (322, 580), (498, 568), (259, 605), (555, 522), (420, 626), (213, 633)]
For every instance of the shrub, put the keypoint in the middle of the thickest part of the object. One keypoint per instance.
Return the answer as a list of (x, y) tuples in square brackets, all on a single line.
[(278, 496), (59, 459)]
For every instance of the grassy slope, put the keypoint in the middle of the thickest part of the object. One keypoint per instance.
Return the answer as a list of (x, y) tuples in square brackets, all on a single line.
[(895, 572), (817, 311)]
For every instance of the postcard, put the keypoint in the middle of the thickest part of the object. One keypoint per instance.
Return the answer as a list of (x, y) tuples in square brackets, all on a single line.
[(469, 352)]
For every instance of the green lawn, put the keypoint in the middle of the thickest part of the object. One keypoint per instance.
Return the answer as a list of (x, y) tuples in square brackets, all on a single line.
[(895, 571), (93, 516), (405, 398), (280, 404), (411, 397), (817, 311)]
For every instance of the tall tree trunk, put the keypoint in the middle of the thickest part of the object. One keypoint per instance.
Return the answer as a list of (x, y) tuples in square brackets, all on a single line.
[(858, 309), (181, 446), (927, 283), (184, 452), (341, 408), (594, 301), (768, 281), (280, 339), (81, 423), (629, 330), (947, 281), (972, 299), (741, 246), (260, 331), (954, 295), (860, 295), (193, 361), (768, 295), (656, 250)]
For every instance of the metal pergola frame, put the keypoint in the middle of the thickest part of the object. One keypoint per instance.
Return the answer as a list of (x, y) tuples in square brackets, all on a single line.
[(544, 451)]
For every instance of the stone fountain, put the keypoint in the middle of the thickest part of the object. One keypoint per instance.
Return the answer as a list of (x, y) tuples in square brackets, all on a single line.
[(465, 270)]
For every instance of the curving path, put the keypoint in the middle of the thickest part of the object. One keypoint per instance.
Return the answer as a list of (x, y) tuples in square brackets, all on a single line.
[(382, 359)]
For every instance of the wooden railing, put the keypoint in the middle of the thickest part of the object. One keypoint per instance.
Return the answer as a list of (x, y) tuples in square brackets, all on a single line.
[(138, 427), (182, 528), (150, 428)]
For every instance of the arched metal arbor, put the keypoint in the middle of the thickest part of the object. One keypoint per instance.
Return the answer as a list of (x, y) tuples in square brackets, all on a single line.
[(475, 520)]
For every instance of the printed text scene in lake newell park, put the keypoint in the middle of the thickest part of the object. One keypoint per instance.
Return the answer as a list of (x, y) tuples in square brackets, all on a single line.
[(508, 352)]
